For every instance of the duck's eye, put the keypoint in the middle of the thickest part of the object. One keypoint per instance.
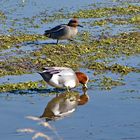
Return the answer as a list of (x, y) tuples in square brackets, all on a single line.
[(74, 21)]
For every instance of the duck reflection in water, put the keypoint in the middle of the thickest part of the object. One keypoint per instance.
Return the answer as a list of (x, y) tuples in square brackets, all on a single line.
[(64, 104)]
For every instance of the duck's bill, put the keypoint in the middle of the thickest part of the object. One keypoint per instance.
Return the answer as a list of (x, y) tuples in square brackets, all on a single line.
[(85, 86), (80, 25)]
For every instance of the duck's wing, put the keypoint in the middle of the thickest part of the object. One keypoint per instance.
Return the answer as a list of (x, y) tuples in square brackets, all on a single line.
[(48, 73), (59, 71), (55, 29)]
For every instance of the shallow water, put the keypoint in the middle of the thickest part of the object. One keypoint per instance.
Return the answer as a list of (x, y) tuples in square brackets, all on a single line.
[(108, 115)]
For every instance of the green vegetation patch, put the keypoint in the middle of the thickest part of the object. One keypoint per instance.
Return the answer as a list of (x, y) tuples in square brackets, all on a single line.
[(123, 44), (109, 11), (8, 41), (23, 86), (135, 19), (14, 67), (115, 68), (75, 55), (108, 83), (2, 17), (118, 21)]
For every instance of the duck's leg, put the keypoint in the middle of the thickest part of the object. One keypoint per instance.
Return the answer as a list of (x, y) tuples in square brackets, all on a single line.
[(68, 89), (70, 39), (57, 41), (57, 95)]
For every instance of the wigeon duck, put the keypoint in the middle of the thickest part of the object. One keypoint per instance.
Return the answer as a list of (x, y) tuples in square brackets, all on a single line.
[(63, 77), (64, 31), (63, 105)]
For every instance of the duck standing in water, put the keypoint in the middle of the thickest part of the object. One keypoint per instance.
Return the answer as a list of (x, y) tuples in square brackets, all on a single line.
[(63, 77), (64, 31)]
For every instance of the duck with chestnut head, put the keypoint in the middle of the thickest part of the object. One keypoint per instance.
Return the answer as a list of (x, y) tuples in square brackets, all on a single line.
[(64, 77)]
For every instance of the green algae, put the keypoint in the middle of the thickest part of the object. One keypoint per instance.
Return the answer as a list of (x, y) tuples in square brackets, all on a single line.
[(108, 83), (23, 86), (2, 17), (123, 44), (124, 70), (107, 11), (76, 55), (115, 68), (8, 41), (14, 68), (60, 55), (117, 21), (135, 19)]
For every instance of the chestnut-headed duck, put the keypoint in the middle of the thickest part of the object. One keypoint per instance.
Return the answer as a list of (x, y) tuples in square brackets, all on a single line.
[(63, 77)]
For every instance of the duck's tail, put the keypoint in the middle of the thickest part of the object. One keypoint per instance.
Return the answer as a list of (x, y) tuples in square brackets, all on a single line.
[(45, 75)]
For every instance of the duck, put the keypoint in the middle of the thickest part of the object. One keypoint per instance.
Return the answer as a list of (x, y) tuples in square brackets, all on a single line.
[(64, 77), (64, 31), (64, 104)]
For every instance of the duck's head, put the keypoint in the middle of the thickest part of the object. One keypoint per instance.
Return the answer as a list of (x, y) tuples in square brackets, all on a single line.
[(74, 23), (82, 78)]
